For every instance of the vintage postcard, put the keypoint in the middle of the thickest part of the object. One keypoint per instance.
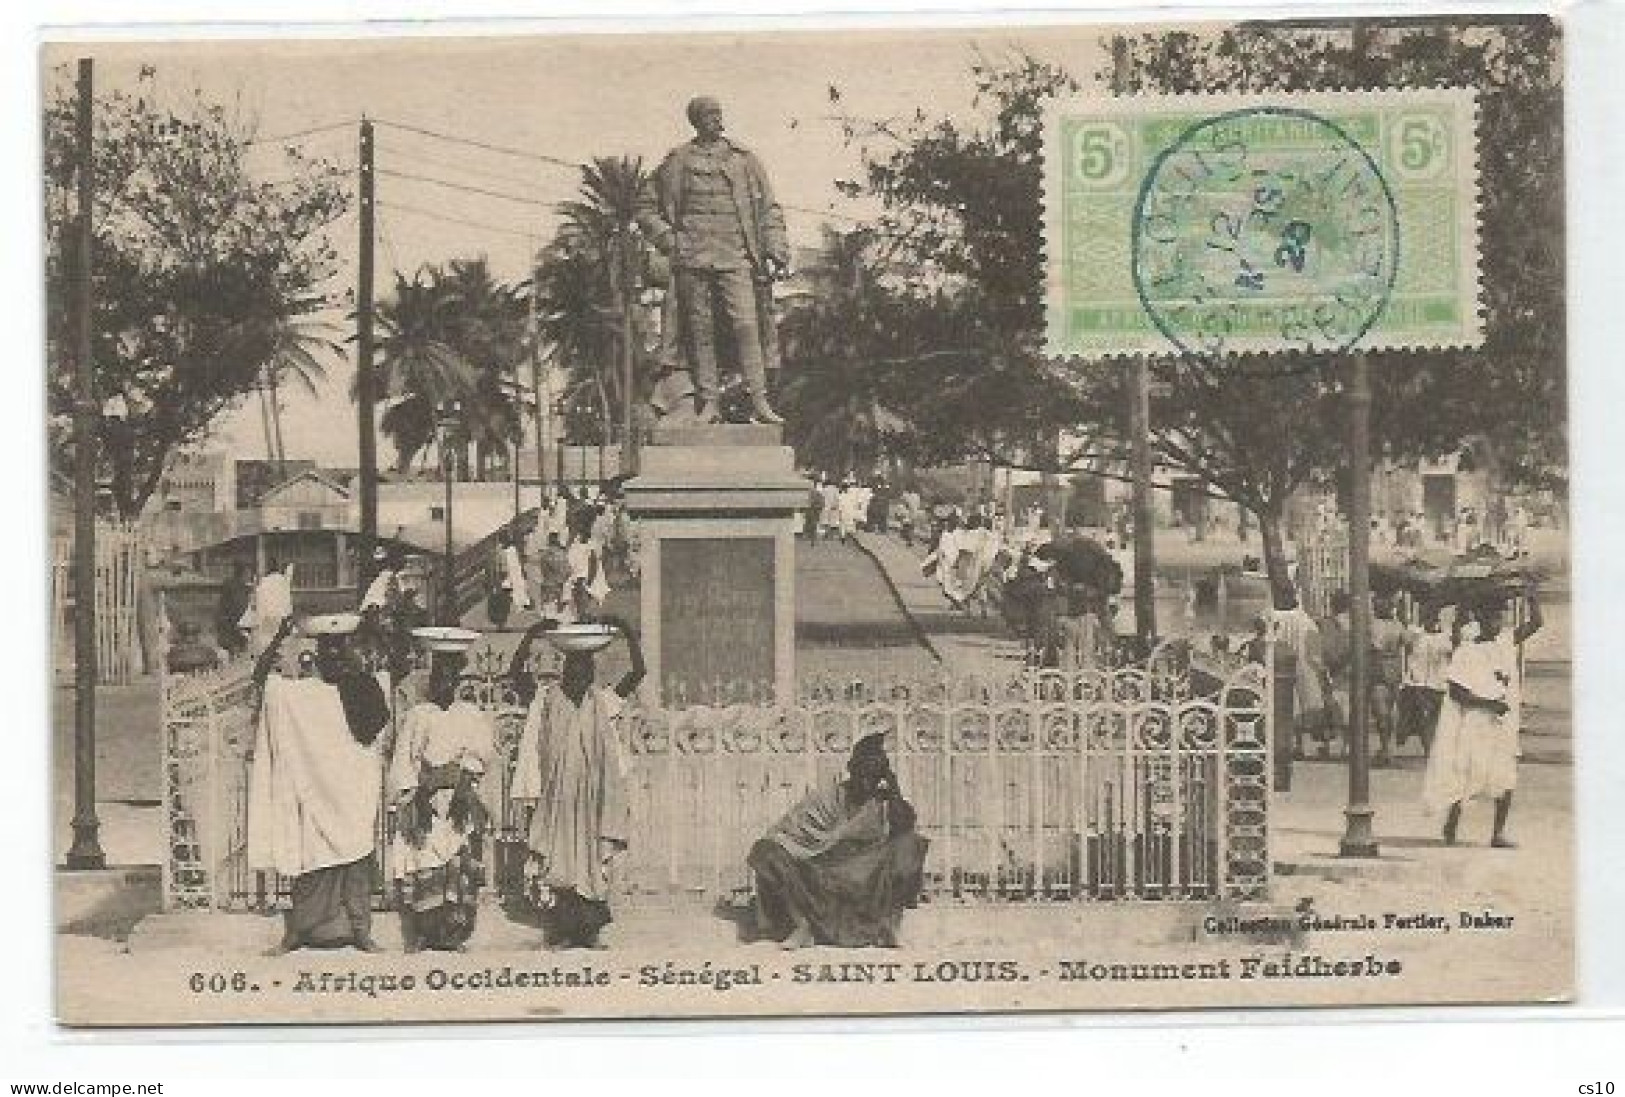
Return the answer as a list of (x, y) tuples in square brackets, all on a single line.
[(809, 521)]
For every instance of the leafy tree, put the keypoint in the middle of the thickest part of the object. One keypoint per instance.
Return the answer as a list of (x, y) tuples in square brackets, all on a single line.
[(201, 276), (490, 328), (574, 322), (960, 228), (839, 398), (300, 352)]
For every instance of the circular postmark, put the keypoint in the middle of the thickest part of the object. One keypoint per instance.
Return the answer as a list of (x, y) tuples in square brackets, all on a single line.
[(1264, 229)]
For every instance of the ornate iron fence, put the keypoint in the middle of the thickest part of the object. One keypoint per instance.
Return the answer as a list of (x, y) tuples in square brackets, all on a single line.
[(1032, 786)]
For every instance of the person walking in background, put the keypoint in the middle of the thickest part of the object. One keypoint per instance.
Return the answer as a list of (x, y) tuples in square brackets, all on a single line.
[(943, 559), (878, 507), (558, 516), (813, 515), (864, 518), (585, 585), (829, 514), (913, 516), (1386, 668), (513, 570), (552, 568), (1428, 647), (1337, 657), (1475, 748), (1298, 632), (851, 509)]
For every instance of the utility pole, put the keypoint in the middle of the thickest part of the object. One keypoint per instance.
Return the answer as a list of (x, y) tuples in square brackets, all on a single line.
[(539, 411), (86, 851), (628, 288), (366, 397), (1145, 606)]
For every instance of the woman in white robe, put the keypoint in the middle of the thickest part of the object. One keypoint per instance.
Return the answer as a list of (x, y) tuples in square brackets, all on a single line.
[(315, 783), (1475, 746)]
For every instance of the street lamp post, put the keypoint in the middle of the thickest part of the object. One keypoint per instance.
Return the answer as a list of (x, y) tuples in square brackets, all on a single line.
[(448, 418), (86, 852), (1358, 837)]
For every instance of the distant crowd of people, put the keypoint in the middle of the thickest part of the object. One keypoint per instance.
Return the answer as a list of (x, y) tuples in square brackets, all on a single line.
[(560, 565), (1447, 674)]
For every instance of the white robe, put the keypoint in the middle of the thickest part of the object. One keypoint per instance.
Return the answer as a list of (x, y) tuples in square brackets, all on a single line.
[(1475, 752), (378, 590), (313, 791), (433, 736), (513, 571)]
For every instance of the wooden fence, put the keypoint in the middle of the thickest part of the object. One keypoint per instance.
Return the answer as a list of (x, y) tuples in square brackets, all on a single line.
[(120, 556)]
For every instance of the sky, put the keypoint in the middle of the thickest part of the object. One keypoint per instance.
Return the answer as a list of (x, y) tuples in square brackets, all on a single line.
[(568, 97)]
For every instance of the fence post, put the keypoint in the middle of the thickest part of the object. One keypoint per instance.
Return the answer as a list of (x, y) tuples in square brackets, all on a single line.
[(210, 830), (1280, 716)]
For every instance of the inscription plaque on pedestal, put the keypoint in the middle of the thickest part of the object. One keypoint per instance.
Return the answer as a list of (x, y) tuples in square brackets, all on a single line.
[(717, 610)]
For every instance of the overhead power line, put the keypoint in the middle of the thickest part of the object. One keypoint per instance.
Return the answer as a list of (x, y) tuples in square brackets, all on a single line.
[(313, 131), (401, 207), (538, 157), (468, 187), (525, 154), (415, 158)]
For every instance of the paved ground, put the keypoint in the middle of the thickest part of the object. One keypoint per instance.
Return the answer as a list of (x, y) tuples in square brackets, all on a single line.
[(1529, 956)]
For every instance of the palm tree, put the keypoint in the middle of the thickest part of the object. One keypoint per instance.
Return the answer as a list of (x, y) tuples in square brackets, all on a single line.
[(300, 348), (571, 318), (419, 368), (602, 224), (491, 331)]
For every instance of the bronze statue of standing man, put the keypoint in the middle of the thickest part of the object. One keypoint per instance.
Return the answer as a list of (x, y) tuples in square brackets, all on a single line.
[(710, 211)]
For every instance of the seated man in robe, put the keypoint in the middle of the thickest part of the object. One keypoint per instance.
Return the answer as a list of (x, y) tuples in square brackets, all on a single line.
[(315, 784), (842, 865)]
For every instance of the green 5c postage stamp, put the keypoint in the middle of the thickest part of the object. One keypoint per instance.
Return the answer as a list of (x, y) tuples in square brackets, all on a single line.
[(1289, 222)]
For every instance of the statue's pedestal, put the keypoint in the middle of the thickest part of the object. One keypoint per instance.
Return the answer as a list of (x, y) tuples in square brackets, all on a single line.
[(716, 508)]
